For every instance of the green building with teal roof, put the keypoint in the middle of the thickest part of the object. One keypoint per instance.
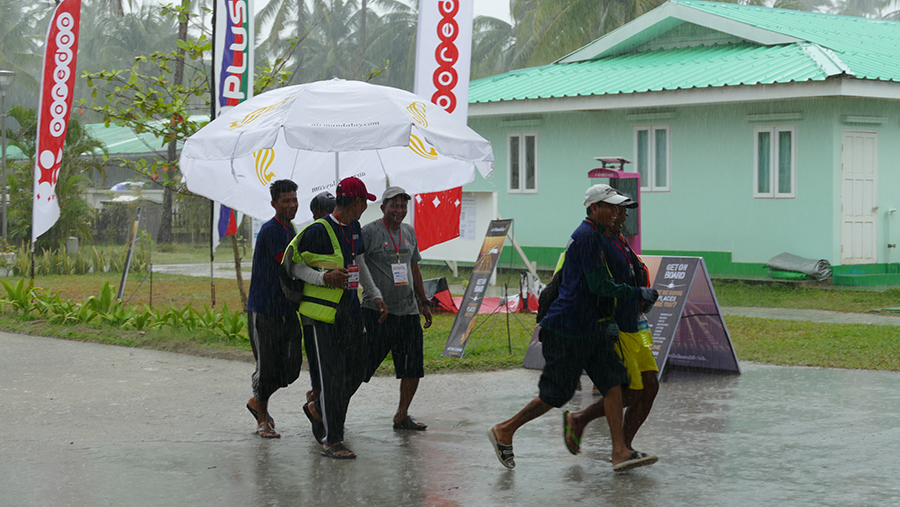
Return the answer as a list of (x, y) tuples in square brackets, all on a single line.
[(755, 131)]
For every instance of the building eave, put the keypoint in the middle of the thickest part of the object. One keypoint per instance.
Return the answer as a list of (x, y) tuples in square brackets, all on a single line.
[(669, 15), (840, 87)]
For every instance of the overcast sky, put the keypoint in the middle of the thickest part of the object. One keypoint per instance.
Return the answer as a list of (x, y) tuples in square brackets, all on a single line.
[(493, 8)]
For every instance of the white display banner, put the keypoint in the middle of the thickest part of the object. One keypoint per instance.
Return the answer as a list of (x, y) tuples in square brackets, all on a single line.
[(444, 54)]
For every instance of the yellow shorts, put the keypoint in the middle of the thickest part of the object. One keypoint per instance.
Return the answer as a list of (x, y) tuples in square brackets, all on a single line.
[(637, 356)]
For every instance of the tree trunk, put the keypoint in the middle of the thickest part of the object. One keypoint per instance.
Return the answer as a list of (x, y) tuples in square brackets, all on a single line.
[(165, 221), (237, 271), (164, 236), (362, 35)]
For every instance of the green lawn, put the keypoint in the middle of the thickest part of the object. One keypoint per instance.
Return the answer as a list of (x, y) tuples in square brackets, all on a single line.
[(760, 340), (837, 299)]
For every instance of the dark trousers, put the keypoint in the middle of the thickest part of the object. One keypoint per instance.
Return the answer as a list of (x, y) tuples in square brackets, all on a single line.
[(310, 346), (341, 356), (276, 342)]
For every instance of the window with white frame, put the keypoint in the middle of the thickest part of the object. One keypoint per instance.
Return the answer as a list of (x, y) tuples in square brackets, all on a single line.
[(775, 161), (523, 170), (652, 157)]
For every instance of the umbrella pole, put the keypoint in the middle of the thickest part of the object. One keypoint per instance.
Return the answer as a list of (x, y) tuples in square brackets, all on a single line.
[(337, 172)]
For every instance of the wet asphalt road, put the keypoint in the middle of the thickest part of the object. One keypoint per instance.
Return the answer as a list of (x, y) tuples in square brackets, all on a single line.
[(94, 425)]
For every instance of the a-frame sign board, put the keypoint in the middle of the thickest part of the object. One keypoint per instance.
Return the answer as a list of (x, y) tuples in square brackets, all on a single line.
[(687, 325)]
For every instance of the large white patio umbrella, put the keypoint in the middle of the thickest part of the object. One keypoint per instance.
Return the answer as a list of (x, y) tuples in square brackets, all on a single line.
[(317, 133)]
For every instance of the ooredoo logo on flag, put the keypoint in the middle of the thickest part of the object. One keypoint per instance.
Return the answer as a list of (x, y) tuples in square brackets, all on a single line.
[(57, 87), (444, 54)]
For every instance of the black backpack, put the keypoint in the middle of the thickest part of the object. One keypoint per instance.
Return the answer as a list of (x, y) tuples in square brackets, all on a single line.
[(606, 307), (292, 287), (548, 296)]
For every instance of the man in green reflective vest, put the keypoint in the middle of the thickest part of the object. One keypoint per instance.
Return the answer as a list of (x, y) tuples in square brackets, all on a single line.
[(329, 256)]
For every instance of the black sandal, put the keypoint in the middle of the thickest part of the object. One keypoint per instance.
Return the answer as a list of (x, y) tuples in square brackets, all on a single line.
[(332, 451)]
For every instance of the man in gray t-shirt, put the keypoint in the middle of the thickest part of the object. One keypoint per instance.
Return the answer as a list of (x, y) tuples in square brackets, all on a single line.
[(392, 256)]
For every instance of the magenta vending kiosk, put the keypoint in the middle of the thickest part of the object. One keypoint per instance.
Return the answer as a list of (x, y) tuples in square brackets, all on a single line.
[(629, 184)]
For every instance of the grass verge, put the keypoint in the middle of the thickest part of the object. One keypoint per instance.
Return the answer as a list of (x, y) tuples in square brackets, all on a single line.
[(787, 296), (794, 343), (759, 340)]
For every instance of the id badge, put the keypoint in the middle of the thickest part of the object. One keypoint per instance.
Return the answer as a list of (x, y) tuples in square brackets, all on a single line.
[(353, 281), (400, 274)]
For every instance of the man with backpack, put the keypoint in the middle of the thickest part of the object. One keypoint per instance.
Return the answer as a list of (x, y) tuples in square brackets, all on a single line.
[(574, 336), (633, 345)]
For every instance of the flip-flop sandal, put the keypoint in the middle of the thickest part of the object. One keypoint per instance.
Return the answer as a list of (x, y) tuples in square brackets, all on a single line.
[(408, 423), (266, 433), (504, 452), (637, 459), (318, 429), (567, 433), (332, 451), (256, 416)]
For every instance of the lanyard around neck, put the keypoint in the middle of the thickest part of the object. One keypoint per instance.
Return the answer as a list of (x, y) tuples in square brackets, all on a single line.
[(399, 241)]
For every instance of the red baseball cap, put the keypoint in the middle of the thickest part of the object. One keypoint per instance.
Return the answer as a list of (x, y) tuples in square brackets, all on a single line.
[(353, 187)]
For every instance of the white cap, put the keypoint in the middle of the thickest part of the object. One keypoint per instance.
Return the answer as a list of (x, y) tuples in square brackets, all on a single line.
[(603, 193), (391, 192)]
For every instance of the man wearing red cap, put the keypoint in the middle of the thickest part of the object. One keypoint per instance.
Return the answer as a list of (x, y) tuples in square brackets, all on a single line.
[(329, 256)]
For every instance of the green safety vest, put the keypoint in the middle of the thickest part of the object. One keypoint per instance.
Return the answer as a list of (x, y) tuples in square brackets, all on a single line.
[(319, 302)]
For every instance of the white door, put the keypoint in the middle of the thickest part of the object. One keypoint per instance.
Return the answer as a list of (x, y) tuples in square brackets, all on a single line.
[(859, 197)]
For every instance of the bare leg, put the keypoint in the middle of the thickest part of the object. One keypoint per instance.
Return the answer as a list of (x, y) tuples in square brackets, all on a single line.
[(638, 411), (578, 421), (264, 422), (613, 408), (505, 430), (408, 387)]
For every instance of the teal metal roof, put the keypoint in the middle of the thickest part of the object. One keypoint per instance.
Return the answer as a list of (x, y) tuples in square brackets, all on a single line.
[(830, 46), (119, 141), (698, 67), (122, 141), (868, 46)]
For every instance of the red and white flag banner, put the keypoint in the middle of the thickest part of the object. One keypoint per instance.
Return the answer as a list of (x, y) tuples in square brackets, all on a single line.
[(443, 64), (444, 54), (437, 217), (57, 90)]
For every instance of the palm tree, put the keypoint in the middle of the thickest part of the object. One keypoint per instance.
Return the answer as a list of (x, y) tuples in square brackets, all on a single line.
[(392, 43), (288, 22), (22, 30), (562, 26), (861, 8), (492, 46), (82, 156), (330, 52)]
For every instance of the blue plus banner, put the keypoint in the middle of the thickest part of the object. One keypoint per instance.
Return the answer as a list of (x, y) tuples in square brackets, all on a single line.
[(232, 54)]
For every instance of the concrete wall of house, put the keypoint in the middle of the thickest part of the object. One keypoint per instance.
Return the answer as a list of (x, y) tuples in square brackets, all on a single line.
[(710, 207), (886, 123)]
